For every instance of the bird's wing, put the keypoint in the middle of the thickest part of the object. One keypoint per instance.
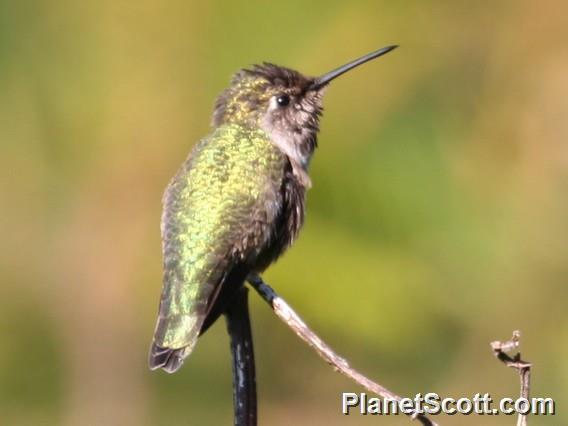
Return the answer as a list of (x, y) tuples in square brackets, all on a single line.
[(215, 209)]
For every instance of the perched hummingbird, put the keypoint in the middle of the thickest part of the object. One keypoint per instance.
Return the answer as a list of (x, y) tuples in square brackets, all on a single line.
[(237, 203)]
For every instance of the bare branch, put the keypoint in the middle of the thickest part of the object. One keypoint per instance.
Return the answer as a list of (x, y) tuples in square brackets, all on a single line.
[(242, 352), (287, 314), (523, 367)]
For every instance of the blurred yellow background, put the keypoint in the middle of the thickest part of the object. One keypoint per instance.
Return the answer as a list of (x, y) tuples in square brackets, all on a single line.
[(438, 219)]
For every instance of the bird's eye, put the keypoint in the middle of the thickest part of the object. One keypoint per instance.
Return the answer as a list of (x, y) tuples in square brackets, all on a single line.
[(283, 100)]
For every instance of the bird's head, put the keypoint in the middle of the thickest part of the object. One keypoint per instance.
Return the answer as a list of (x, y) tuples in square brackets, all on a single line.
[(284, 103)]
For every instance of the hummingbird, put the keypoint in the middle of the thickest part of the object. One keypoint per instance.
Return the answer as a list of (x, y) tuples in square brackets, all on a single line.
[(238, 201)]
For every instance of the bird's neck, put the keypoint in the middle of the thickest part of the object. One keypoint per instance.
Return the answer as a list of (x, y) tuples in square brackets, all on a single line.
[(298, 155), (297, 146)]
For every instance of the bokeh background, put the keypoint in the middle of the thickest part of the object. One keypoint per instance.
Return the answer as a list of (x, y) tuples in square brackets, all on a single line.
[(438, 219)]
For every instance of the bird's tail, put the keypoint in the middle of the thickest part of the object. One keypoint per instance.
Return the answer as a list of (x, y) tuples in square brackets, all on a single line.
[(170, 360)]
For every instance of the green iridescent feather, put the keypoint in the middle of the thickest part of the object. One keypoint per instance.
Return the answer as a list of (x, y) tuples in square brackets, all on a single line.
[(227, 189)]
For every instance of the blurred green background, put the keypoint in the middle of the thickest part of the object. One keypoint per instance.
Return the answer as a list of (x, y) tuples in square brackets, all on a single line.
[(438, 219)]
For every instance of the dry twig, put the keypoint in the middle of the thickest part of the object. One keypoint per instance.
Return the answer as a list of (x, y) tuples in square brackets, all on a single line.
[(523, 367), (287, 314)]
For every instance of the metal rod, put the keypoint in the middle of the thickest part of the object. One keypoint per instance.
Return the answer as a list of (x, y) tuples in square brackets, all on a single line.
[(242, 353)]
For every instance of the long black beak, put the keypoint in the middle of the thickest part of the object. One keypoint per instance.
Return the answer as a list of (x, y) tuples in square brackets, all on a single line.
[(326, 78)]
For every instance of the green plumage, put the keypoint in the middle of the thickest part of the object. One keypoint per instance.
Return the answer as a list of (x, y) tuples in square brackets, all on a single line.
[(217, 211)]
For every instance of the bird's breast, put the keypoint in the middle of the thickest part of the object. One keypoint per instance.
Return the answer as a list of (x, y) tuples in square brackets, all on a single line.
[(288, 222)]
